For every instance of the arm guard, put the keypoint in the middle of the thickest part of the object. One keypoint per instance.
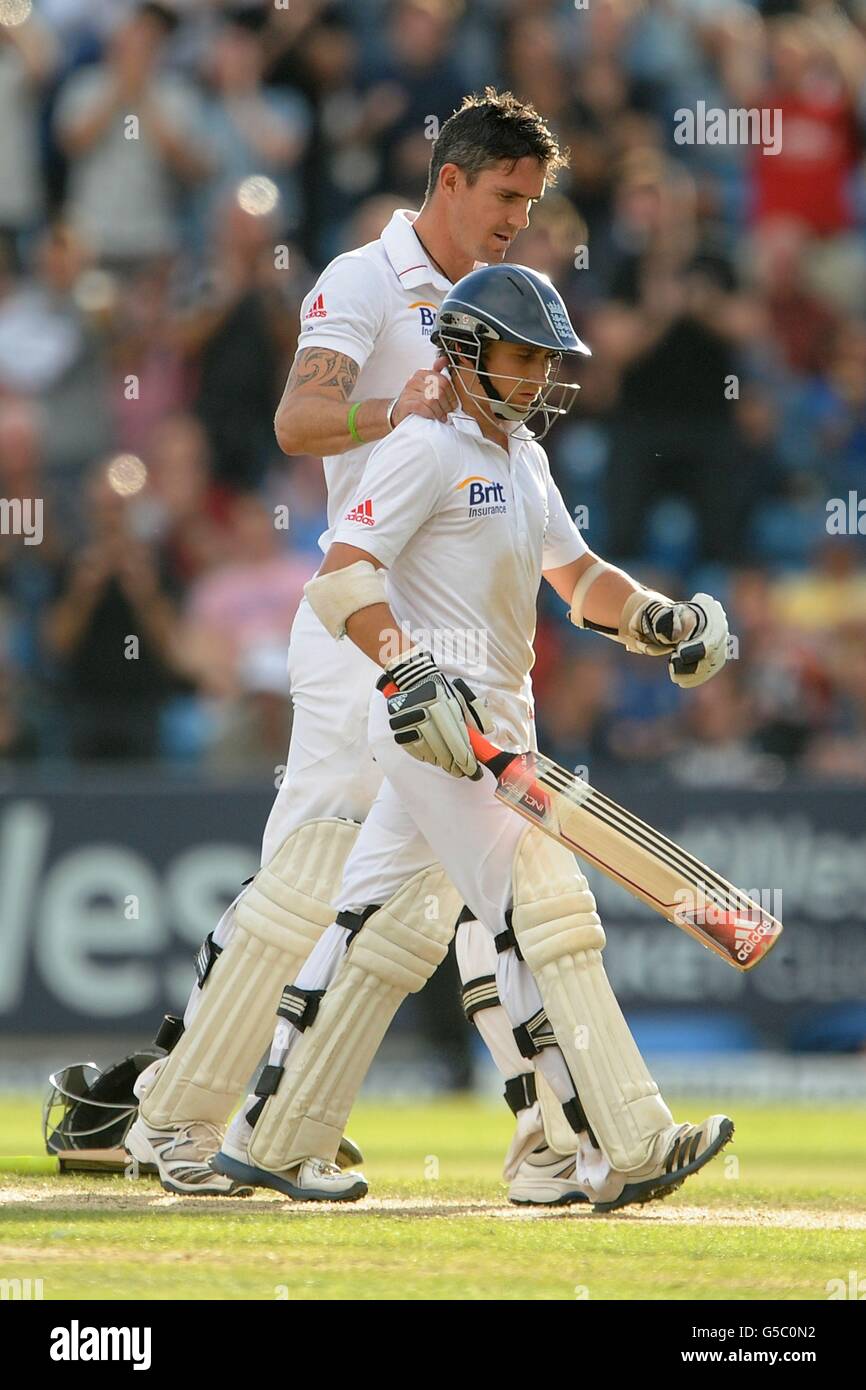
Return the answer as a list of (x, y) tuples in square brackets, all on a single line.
[(336, 596)]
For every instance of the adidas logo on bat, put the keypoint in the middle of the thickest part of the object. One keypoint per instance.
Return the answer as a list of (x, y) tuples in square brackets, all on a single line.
[(742, 931), (747, 939)]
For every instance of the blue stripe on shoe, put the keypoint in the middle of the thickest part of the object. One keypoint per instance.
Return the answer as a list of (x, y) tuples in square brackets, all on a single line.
[(260, 1177)]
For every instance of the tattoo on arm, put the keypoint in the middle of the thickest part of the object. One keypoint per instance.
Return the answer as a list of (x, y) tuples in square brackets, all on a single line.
[(321, 367)]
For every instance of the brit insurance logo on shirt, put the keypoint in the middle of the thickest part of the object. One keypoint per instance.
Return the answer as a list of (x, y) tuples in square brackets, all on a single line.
[(427, 313), (486, 498)]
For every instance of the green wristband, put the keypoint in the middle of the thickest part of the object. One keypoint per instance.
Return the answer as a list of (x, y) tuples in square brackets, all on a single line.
[(353, 411)]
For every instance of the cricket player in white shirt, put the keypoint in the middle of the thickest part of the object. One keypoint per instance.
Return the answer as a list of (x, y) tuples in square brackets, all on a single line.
[(365, 325), (452, 527)]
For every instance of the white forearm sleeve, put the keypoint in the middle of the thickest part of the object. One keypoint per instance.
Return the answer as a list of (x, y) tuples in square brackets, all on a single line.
[(336, 596), (624, 631), (582, 588)]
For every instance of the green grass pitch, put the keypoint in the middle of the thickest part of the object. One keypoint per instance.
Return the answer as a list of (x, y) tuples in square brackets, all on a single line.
[(780, 1214)]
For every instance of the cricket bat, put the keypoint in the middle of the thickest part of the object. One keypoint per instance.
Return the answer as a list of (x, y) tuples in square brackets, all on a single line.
[(651, 867)]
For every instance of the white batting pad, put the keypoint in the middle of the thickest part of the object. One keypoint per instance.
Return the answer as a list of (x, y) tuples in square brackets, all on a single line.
[(394, 954), (277, 922), (561, 939)]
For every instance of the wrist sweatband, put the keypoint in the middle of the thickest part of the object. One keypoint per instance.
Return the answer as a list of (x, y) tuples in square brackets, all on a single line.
[(350, 422)]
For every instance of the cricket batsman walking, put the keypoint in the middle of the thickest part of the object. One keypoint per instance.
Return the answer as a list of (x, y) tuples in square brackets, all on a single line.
[(365, 324), (453, 525)]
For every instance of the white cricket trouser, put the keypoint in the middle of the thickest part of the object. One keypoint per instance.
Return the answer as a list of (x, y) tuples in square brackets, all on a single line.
[(330, 771), (420, 816)]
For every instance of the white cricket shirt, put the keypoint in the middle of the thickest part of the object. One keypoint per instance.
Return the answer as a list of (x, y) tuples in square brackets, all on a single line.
[(465, 530), (378, 306)]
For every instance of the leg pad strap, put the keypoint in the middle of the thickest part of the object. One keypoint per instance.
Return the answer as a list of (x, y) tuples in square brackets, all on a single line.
[(299, 1006), (535, 1034), (169, 1032), (394, 954), (479, 994), (520, 1091), (207, 957)]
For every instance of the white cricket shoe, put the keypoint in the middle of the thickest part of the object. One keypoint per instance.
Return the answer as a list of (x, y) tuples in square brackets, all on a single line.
[(678, 1151), (181, 1155), (547, 1179), (311, 1180)]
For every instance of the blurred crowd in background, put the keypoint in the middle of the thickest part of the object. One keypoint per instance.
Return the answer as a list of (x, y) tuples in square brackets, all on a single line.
[(150, 278)]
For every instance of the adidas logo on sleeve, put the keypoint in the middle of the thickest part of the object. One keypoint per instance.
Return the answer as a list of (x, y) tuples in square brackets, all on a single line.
[(362, 513), (317, 309)]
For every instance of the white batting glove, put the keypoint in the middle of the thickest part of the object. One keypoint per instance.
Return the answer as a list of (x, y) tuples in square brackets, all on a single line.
[(655, 625), (429, 715), (705, 651)]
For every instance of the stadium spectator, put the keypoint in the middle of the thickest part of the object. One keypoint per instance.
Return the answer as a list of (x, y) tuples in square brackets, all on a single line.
[(52, 348), (717, 747), (253, 130), (238, 615), (131, 131), (234, 639), (28, 54), (839, 752), (814, 68), (150, 375), (414, 85), (828, 595), (237, 324), (668, 327), (343, 165), (112, 630), (574, 700), (31, 548), (181, 510), (297, 491), (801, 322)]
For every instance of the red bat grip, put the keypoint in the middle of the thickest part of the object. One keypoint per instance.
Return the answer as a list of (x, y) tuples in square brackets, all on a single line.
[(483, 749)]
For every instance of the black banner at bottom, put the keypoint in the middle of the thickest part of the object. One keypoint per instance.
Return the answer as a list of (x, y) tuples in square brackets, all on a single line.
[(158, 1337)]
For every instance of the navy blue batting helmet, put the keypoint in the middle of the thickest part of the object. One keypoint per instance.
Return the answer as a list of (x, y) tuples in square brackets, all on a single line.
[(509, 303)]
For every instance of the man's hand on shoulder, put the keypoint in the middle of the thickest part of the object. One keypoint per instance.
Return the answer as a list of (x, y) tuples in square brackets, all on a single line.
[(427, 393)]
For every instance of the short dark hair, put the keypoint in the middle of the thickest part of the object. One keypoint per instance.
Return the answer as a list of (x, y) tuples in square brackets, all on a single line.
[(492, 127)]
